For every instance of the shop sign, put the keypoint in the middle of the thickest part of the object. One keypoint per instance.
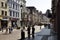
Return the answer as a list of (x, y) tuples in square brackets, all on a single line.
[(4, 17), (14, 19)]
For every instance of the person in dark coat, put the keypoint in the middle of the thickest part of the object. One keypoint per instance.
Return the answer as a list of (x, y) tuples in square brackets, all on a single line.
[(9, 29), (22, 34), (40, 27), (28, 29), (33, 31), (2, 28)]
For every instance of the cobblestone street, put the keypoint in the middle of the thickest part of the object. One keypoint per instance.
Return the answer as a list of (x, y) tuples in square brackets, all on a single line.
[(16, 34), (29, 19)]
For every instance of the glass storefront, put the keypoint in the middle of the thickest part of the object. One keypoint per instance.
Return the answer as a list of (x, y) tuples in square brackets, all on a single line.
[(14, 24), (4, 23)]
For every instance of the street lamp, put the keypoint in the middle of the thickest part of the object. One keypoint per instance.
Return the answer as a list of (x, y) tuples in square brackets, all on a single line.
[(21, 14), (22, 32)]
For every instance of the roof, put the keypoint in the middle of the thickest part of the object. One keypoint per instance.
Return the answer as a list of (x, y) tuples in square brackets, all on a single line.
[(31, 7)]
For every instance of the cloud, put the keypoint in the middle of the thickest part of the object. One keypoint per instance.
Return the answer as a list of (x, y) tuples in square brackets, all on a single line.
[(42, 5)]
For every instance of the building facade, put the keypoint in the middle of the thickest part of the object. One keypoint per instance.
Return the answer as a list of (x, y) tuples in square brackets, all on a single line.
[(14, 12), (10, 13), (26, 17), (23, 11), (4, 14), (33, 15), (54, 16)]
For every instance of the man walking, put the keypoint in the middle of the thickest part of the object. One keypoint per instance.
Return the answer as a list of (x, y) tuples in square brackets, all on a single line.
[(28, 29), (22, 35), (33, 31)]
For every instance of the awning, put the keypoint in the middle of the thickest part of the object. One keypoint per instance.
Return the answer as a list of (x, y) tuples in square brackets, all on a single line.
[(5, 19), (14, 19)]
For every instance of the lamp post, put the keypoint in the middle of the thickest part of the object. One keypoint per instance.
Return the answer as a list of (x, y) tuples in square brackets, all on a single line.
[(22, 30), (21, 14), (22, 19)]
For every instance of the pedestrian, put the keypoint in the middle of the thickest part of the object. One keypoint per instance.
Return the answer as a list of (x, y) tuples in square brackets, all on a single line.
[(22, 35), (28, 29), (2, 28), (10, 29), (6, 30), (33, 31), (40, 27)]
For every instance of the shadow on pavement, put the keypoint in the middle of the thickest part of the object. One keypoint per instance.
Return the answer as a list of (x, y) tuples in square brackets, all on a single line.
[(27, 38)]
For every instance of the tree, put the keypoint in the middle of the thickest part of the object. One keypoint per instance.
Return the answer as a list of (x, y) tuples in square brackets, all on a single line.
[(48, 13)]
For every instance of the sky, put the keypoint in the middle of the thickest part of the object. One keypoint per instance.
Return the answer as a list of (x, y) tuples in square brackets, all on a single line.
[(41, 5)]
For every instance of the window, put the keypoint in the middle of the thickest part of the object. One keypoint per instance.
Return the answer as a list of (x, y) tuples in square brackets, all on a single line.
[(8, 0), (5, 13), (10, 5), (2, 4), (5, 5), (25, 16), (2, 12), (16, 7), (13, 13), (13, 6), (14, 0), (10, 13), (18, 14)]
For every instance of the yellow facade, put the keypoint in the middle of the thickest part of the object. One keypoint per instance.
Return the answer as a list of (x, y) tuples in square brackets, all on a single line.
[(1, 17), (4, 7)]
